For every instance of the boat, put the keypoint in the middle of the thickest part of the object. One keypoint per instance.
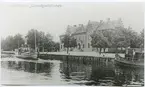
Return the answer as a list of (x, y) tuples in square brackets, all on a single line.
[(133, 58), (28, 55), (25, 52)]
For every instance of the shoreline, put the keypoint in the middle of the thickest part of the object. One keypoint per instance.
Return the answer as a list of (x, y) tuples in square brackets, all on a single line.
[(81, 54)]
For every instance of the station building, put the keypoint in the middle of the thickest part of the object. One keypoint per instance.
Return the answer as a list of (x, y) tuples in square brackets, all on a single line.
[(82, 33)]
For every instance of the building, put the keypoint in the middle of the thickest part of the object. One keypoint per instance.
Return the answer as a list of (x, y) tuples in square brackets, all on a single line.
[(82, 32)]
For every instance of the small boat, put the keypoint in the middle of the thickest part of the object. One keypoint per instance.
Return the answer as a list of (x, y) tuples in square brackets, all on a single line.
[(27, 53), (133, 58)]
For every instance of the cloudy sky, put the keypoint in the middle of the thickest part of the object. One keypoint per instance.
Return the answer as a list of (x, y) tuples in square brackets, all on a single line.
[(54, 17)]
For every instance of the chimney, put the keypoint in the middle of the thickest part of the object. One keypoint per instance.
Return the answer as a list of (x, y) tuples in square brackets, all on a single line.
[(129, 27), (89, 22), (68, 26), (80, 25), (101, 21), (108, 19), (75, 25), (120, 19)]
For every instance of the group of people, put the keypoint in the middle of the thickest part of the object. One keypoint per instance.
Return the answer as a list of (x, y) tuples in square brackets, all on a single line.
[(21, 50)]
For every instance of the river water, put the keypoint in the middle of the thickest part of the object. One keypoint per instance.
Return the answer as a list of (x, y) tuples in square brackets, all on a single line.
[(16, 71)]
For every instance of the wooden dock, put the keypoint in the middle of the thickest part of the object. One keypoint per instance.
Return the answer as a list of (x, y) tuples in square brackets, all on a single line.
[(85, 56), (72, 57)]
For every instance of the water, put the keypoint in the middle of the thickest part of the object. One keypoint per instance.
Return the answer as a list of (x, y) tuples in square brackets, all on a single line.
[(16, 71)]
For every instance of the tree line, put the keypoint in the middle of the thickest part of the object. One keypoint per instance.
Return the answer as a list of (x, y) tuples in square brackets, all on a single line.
[(43, 41), (69, 42), (117, 38)]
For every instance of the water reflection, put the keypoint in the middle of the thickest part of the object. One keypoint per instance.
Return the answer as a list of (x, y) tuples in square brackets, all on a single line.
[(93, 72), (128, 75), (78, 72), (27, 66)]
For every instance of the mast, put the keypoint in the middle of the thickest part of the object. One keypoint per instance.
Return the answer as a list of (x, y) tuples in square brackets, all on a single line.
[(35, 41), (18, 44), (18, 48), (43, 42)]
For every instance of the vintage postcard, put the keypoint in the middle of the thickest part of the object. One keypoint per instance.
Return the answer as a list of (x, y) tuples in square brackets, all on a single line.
[(72, 44)]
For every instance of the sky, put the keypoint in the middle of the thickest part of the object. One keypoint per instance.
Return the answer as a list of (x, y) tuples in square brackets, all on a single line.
[(55, 17)]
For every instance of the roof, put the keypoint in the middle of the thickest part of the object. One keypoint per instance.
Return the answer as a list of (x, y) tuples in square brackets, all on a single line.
[(61, 35), (79, 33), (111, 24), (94, 25), (76, 29)]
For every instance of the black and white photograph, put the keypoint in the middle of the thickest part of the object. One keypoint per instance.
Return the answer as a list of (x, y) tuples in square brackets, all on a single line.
[(72, 44)]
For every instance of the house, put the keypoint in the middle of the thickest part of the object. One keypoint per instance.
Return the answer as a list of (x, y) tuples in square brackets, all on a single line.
[(82, 32)]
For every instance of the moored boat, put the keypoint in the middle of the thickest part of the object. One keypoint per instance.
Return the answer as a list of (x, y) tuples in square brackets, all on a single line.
[(28, 55), (25, 52), (133, 58)]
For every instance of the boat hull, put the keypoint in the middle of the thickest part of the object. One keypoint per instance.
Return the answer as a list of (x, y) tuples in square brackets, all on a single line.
[(28, 57), (129, 64)]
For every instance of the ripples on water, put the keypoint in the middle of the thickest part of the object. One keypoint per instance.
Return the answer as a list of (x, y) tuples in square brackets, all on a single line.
[(67, 72)]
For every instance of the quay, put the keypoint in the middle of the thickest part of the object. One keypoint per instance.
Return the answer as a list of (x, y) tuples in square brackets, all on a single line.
[(77, 55), (73, 55)]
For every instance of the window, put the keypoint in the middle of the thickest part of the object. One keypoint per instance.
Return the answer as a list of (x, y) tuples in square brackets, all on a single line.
[(83, 38), (61, 46), (88, 45), (83, 46), (79, 37)]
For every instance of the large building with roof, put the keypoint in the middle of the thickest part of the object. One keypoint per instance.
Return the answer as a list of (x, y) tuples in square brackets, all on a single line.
[(82, 32)]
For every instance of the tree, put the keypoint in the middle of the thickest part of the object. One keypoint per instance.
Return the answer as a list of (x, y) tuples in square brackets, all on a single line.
[(31, 38), (48, 42), (43, 41), (18, 40), (124, 37), (99, 40), (119, 37), (7, 43), (11, 43), (66, 41), (142, 39), (69, 42), (73, 42), (56, 46), (2, 43)]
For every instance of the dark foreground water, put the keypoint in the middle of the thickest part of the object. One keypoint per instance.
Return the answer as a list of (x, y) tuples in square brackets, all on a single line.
[(16, 71)]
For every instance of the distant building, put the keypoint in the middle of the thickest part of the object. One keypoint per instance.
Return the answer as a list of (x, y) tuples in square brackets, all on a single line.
[(82, 32)]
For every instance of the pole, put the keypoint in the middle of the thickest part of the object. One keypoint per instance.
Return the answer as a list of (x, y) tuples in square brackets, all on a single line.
[(43, 42), (18, 43), (18, 48), (35, 42)]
